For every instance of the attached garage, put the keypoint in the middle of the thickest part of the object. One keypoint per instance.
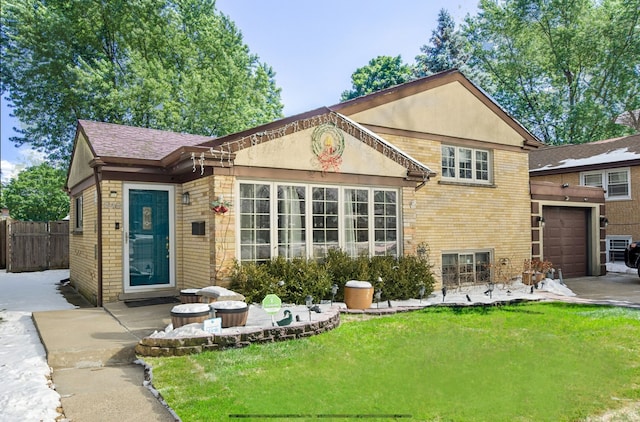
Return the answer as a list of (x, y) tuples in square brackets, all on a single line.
[(568, 229), (566, 239)]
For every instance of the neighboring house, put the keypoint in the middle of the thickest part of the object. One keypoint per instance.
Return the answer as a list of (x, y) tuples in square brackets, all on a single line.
[(431, 162), (611, 165)]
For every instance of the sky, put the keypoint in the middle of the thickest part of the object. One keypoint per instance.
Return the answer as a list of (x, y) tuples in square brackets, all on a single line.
[(313, 47)]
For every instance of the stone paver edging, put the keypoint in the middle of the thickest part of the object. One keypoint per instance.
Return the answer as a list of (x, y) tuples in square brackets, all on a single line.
[(237, 337)]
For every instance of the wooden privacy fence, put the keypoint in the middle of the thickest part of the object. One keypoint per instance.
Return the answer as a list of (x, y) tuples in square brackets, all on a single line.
[(35, 245)]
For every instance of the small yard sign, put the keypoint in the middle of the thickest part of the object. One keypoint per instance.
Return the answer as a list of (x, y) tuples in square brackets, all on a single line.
[(271, 304), (213, 325)]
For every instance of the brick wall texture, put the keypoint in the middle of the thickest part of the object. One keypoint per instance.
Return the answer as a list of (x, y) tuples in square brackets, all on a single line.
[(463, 217), (446, 217)]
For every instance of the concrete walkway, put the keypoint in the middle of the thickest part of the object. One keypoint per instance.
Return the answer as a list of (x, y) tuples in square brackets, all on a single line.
[(92, 354), (91, 351)]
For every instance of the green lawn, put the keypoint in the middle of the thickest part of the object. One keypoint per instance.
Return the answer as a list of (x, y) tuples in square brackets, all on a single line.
[(528, 362)]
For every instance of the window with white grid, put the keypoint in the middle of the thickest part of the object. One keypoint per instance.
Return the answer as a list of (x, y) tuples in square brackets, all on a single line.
[(466, 164), (616, 182)]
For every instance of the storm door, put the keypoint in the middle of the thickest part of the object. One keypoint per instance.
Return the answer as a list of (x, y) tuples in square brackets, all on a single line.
[(148, 242)]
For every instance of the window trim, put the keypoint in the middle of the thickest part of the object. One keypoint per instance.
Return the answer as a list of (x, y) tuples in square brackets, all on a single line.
[(469, 181), (309, 215), (78, 214), (609, 238), (604, 181), (475, 252)]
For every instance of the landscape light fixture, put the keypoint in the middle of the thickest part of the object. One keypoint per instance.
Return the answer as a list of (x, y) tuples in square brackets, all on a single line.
[(309, 302), (421, 292), (186, 198), (490, 288), (334, 290)]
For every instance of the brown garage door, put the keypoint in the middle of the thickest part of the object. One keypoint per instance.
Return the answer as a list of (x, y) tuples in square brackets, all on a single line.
[(565, 239)]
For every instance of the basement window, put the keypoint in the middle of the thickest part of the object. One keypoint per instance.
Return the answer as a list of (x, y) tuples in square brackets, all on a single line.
[(466, 268), (616, 246)]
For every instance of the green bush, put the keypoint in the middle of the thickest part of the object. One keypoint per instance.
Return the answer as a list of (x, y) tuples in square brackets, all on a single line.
[(292, 280)]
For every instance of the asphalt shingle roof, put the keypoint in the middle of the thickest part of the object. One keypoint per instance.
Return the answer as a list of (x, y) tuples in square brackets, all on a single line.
[(616, 150), (113, 140)]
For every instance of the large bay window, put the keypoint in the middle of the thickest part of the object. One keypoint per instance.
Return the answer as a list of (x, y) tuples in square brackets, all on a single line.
[(616, 182), (466, 164), (298, 220)]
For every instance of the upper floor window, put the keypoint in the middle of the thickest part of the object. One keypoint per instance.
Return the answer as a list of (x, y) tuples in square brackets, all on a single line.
[(298, 220), (466, 164), (616, 183)]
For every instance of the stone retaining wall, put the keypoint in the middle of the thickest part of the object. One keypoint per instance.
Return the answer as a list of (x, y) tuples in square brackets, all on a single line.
[(180, 346), (243, 336)]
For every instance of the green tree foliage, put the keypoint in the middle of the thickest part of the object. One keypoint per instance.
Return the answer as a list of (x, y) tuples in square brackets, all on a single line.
[(37, 194), (564, 68), (381, 72), (167, 64), (447, 50)]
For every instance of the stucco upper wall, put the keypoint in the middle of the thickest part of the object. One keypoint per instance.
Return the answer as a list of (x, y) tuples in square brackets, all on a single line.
[(296, 151), (80, 169), (449, 110)]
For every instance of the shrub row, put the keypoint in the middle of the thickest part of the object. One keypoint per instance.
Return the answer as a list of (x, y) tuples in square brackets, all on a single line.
[(292, 280)]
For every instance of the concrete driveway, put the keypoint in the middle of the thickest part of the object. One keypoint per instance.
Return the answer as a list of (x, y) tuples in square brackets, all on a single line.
[(613, 287)]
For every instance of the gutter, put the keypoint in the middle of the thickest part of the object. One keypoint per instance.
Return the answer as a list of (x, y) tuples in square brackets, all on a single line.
[(96, 175)]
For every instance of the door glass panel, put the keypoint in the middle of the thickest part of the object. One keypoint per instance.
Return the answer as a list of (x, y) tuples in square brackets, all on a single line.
[(148, 237)]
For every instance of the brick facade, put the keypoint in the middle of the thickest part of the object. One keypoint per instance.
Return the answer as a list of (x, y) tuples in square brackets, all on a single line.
[(194, 252), (382, 139), (83, 247), (624, 215), (452, 217)]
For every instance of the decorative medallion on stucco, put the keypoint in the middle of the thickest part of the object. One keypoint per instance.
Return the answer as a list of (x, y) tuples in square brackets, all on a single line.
[(327, 143)]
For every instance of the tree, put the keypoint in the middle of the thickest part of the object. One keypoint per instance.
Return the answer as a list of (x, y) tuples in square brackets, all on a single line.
[(564, 68), (165, 64), (381, 72), (447, 49), (37, 194)]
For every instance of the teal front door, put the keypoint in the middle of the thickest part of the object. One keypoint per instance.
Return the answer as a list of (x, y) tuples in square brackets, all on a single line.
[(148, 243)]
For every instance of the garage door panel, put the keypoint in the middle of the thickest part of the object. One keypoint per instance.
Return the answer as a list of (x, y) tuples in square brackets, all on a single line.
[(565, 239)]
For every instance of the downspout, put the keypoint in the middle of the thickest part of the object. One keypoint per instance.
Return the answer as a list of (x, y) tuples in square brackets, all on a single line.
[(96, 175)]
